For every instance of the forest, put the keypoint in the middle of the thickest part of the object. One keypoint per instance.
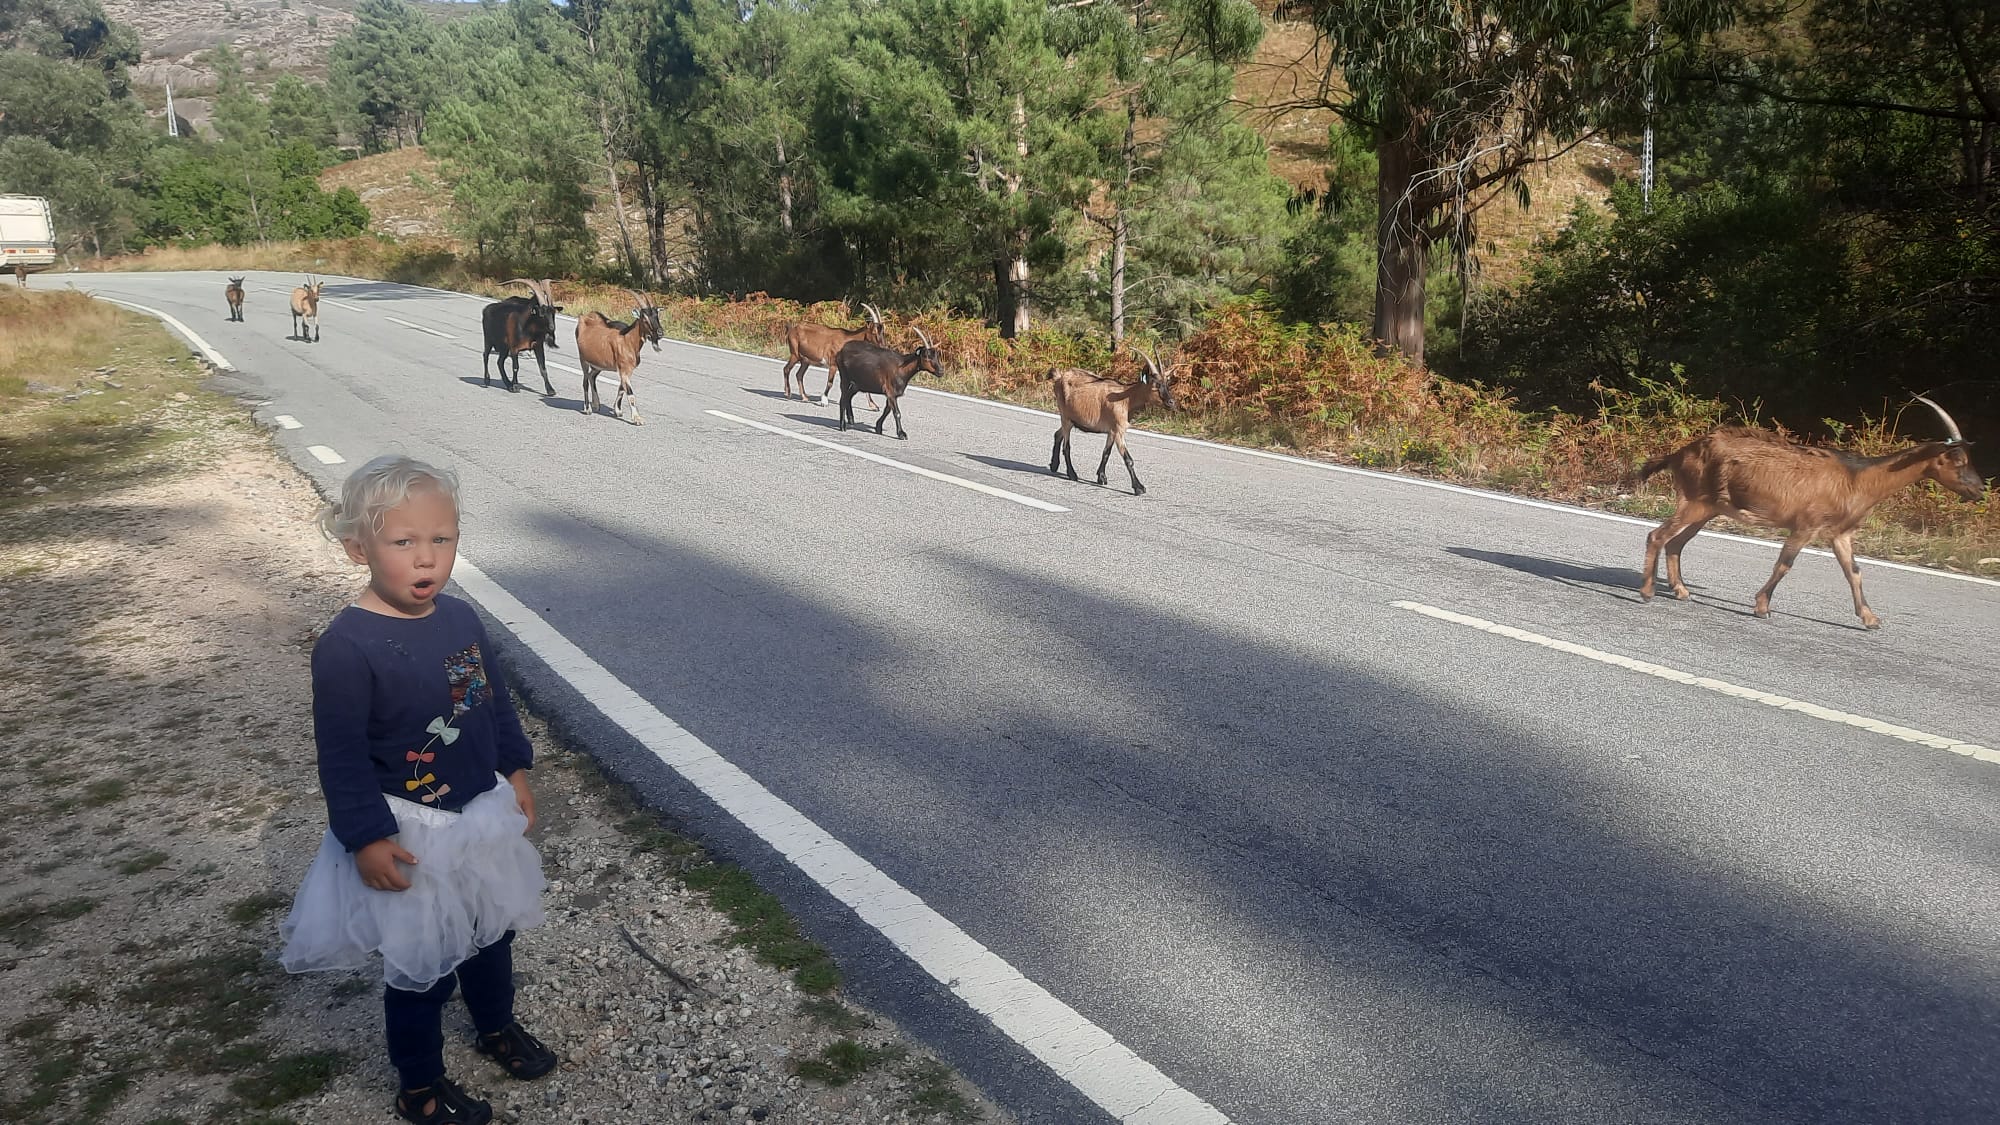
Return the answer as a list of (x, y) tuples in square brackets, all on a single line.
[(1818, 241)]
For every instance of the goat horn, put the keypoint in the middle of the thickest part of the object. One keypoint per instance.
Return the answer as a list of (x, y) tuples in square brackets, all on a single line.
[(874, 313), (921, 336), (1950, 426), (645, 302), (519, 281)]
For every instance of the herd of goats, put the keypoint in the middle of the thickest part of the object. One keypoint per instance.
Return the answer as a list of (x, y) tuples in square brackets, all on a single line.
[(1747, 474)]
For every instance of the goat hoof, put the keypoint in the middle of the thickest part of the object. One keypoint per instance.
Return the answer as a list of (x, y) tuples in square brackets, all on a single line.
[(1138, 490), (1871, 622), (1682, 595)]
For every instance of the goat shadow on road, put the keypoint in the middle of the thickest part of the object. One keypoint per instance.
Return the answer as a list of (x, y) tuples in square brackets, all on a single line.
[(1007, 465), (527, 377), (1622, 584)]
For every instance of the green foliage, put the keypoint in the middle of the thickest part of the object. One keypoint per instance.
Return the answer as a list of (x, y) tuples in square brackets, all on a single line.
[(301, 112), (513, 141), (386, 70)]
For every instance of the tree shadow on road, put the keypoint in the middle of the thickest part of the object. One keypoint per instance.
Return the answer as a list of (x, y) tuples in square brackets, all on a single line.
[(1158, 811)]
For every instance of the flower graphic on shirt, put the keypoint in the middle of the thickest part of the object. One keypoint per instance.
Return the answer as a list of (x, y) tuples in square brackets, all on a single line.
[(422, 778), (465, 672)]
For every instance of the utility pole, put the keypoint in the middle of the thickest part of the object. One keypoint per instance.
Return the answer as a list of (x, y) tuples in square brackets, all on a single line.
[(1646, 157)]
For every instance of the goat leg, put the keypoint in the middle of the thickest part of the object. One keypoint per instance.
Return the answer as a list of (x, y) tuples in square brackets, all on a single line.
[(1104, 461), (1137, 488), (542, 364), (1843, 549), (896, 404), (1674, 547), (1786, 557), (625, 391), (486, 370)]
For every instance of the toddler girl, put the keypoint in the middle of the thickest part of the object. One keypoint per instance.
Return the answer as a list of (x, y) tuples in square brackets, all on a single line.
[(424, 768)]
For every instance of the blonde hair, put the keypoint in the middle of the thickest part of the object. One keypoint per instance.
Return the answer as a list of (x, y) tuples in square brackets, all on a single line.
[(373, 489)]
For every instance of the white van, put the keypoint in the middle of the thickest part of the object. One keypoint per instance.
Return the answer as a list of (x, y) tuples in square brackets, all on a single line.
[(27, 235)]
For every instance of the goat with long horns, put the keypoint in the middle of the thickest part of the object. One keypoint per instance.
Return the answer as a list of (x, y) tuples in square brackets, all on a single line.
[(1755, 476)]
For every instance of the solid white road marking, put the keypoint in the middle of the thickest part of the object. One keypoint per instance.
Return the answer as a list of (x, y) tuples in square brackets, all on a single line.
[(1827, 714), (1082, 1053), (418, 327), (1029, 501), (200, 345), (287, 421), (326, 456)]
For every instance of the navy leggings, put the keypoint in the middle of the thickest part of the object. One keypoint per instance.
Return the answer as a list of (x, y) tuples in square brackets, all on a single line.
[(415, 1020)]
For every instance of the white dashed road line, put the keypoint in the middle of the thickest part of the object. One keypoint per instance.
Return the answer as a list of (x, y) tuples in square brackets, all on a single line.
[(1080, 1052), (1827, 714), (933, 474), (326, 456), (418, 327), (286, 421)]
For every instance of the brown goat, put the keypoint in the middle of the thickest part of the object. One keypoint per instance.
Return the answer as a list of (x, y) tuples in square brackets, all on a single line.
[(1758, 477), (1096, 404), (234, 295), (604, 345), (818, 345), (305, 309)]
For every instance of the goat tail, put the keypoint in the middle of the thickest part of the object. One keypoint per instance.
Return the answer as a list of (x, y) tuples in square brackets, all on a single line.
[(1655, 465), (1051, 376)]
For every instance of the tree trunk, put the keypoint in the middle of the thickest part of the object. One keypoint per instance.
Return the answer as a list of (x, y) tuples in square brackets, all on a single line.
[(784, 186), (1401, 252), (1009, 309), (1119, 229), (656, 224), (1015, 286)]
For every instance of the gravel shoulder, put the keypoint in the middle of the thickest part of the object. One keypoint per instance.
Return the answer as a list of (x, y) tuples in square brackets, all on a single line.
[(158, 806)]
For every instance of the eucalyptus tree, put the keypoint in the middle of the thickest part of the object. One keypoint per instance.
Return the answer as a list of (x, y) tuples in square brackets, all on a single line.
[(1459, 98)]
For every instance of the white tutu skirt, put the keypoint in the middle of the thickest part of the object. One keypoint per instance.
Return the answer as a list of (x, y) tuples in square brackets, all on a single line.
[(476, 877)]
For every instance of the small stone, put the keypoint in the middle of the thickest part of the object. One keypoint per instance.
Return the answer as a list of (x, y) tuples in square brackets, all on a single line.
[(180, 396), (40, 488)]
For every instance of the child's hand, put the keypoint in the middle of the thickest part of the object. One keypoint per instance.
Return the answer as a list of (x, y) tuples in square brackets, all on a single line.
[(519, 779), (378, 861)]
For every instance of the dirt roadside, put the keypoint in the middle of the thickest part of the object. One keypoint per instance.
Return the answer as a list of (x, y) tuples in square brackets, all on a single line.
[(158, 806)]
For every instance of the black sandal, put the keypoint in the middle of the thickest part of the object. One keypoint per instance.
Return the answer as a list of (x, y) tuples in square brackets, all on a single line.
[(522, 1054), (449, 1105)]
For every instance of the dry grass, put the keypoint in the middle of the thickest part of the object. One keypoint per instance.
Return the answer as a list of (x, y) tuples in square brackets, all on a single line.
[(82, 387), (48, 336)]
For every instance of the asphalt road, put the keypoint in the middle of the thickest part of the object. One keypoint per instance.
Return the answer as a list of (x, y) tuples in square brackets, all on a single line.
[(1185, 762)]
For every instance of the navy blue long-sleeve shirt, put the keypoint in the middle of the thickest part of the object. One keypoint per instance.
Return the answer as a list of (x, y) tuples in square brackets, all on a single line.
[(380, 686)]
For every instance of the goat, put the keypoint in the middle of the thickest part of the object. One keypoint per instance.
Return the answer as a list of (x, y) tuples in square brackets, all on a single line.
[(305, 308), (234, 295), (603, 344), (884, 371), (817, 344), (1096, 404), (1758, 477), (517, 324)]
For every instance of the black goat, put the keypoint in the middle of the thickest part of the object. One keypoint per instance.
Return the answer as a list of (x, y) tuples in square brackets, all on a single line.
[(516, 325), (883, 371)]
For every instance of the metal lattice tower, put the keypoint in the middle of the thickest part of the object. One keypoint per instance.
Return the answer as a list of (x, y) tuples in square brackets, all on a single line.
[(1646, 155)]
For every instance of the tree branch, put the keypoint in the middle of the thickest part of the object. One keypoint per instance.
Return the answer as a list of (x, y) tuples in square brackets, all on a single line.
[(1845, 103)]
